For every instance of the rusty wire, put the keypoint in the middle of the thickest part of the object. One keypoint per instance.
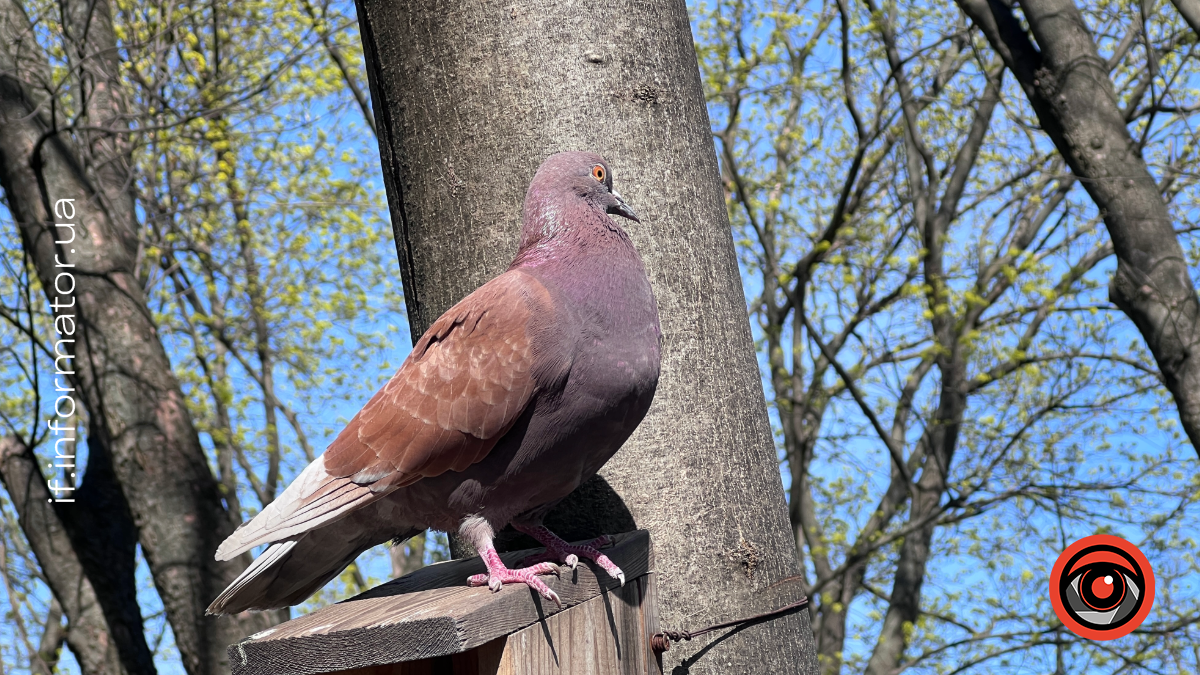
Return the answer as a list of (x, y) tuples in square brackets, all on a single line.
[(661, 642)]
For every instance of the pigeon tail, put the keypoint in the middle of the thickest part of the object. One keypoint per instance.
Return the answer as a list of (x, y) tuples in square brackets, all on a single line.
[(290, 571), (313, 500)]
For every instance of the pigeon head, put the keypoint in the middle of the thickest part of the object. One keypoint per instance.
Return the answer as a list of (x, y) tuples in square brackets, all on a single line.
[(584, 175), (569, 196)]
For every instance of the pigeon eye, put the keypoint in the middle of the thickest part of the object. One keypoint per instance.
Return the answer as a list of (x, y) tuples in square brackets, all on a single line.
[(598, 173)]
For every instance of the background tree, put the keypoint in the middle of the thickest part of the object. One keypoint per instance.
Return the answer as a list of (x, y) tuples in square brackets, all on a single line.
[(147, 480), (927, 279), (213, 141), (1066, 81)]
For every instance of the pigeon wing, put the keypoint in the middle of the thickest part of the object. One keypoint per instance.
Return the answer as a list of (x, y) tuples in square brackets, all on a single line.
[(464, 385), (466, 382)]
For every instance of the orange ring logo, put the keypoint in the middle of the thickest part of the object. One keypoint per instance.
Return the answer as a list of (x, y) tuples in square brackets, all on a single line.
[(1102, 587)]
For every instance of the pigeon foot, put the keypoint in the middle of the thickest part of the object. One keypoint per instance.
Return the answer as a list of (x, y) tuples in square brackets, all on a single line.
[(558, 550), (498, 575)]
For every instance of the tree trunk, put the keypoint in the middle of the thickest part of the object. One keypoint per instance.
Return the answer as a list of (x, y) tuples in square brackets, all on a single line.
[(904, 607), (88, 633), (469, 98), (1068, 85), (1190, 11), (121, 373), (54, 633), (103, 536)]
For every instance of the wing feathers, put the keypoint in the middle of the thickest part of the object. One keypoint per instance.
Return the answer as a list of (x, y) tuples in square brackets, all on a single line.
[(461, 389), (465, 383)]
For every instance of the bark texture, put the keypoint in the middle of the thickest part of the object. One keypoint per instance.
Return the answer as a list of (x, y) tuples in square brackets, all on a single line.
[(54, 634), (469, 98), (1190, 11), (88, 633), (1067, 83), (139, 423)]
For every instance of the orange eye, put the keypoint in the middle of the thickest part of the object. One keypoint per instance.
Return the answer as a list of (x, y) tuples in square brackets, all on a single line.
[(598, 173)]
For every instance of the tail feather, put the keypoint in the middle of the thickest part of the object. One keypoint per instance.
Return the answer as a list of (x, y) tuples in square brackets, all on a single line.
[(313, 500), (288, 572)]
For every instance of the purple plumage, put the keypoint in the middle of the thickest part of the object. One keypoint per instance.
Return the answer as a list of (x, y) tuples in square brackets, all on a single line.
[(510, 400)]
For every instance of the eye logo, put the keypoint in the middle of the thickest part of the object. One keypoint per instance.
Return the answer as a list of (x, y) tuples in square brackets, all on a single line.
[(1102, 587)]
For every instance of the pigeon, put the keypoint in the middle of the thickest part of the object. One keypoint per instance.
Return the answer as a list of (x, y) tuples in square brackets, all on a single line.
[(511, 400)]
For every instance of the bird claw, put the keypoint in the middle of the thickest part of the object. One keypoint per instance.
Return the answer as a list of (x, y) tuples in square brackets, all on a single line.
[(603, 541), (496, 579), (612, 569), (569, 555)]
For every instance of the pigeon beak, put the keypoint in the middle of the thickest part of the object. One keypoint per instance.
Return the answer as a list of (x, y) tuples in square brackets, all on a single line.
[(622, 209)]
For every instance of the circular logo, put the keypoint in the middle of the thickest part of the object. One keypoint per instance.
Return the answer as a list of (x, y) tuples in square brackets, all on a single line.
[(1102, 587)]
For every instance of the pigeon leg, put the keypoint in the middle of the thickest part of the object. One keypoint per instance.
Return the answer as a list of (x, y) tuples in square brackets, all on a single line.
[(498, 575), (479, 533), (558, 550)]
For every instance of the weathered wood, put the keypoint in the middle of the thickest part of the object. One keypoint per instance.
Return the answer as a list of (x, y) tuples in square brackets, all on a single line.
[(608, 635), (429, 613), (483, 660)]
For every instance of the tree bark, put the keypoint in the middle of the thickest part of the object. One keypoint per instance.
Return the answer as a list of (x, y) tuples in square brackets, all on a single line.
[(102, 533), (122, 375), (469, 98), (54, 633), (407, 556), (99, 526), (88, 633), (1190, 11), (103, 133), (1067, 84)]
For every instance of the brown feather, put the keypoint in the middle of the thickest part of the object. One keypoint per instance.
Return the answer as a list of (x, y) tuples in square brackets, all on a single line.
[(461, 389), (466, 382)]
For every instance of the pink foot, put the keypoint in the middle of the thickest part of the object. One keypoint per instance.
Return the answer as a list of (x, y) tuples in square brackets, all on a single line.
[(498, 575), (558, 550)]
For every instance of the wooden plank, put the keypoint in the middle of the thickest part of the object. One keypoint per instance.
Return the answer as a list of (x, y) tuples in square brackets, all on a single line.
[(604, 636), (607, 635), (483, 660), (429, 613), (650, 624)]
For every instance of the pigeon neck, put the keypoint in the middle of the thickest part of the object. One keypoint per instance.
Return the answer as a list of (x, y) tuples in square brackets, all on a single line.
[(561, 232)]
